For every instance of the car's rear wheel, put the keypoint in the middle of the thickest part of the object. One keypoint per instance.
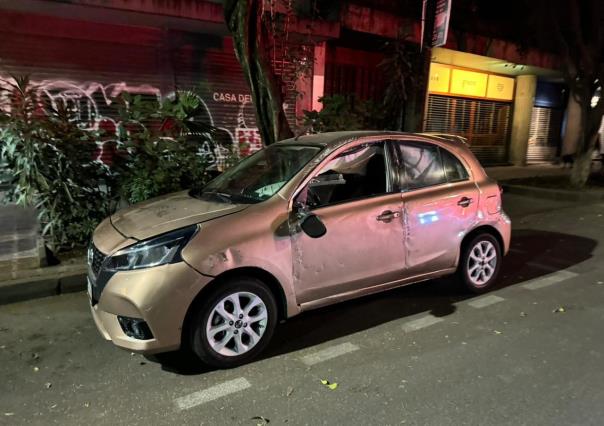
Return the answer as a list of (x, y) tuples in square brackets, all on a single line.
[(234, 323), (479, 263)]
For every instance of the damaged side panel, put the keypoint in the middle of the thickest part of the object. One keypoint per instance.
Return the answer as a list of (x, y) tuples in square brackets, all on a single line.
[(254, 240)]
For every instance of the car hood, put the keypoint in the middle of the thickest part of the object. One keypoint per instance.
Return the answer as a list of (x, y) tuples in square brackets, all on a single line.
[(167, 213)]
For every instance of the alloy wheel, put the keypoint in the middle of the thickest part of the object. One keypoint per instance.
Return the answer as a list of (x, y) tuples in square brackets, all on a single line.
[(482, 263), (236, 324)]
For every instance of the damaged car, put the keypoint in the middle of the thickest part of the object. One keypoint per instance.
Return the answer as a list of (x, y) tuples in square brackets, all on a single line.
[(303, 223)]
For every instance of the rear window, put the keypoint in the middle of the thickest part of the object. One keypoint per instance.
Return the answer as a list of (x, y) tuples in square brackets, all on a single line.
[(454, 170), (420, 165)]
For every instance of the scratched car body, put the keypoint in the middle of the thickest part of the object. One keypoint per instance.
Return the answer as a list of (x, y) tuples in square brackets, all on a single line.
[(304, 223)]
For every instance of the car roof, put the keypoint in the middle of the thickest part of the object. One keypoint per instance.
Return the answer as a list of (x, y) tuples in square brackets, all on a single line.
[(333, 140)]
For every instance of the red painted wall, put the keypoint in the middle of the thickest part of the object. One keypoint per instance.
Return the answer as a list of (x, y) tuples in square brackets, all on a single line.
[(85, 65)]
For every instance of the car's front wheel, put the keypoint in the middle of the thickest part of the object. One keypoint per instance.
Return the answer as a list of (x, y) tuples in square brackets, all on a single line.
[(234, 323), (479, 263)]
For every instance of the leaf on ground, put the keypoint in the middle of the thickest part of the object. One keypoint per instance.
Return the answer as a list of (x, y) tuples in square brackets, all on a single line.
[(264, 420), (497, 332), (48, 385), (522, 314), (330, 385), (559, 309), (290, 390)]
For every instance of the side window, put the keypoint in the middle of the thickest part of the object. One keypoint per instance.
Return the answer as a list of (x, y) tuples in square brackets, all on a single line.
[(419, 165), (358, 172), (454, 170)]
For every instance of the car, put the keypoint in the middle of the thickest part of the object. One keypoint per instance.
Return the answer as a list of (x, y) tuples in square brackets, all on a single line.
[(300, 224)]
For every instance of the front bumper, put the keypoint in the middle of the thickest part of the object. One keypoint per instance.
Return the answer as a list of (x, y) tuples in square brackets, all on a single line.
[(160, 296)]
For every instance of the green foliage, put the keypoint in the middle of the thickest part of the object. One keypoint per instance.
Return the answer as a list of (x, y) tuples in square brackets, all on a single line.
[(344, 113), (47, 163), (47, 160), (162, 148)]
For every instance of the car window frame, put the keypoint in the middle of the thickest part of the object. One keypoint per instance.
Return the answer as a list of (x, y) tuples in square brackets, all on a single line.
[(388, 164)]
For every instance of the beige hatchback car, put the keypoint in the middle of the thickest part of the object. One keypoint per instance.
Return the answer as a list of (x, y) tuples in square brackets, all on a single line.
[(303, 223)]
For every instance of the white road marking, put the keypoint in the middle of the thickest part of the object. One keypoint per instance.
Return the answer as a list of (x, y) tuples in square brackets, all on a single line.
[(549, 280), (485, 301), (422, 322), (542, 266), (212, 393), (329, 353)]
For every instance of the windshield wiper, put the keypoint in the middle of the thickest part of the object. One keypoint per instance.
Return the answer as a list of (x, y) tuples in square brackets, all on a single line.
[(221, 195)]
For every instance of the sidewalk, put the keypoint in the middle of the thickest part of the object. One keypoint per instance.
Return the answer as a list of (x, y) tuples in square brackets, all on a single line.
[(519, 172)]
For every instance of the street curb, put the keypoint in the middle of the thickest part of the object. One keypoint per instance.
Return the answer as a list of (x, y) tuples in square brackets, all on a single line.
[(554, 194), (49, 281)]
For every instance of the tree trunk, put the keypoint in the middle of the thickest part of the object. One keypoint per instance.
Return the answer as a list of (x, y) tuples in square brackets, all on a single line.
[(251, 40), (581, 170), (572, 133)]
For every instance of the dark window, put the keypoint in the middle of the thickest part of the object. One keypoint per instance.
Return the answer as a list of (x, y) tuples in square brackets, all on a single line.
[(419, 165), (356, 173), (454, 170)]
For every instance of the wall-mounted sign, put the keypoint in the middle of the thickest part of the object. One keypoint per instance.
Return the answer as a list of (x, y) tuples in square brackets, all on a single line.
[(235, 98), (500, 88), (475, 84), (439, 78), (468, 83), (441, 22)]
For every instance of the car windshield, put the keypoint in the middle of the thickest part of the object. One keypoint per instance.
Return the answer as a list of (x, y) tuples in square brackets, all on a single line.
[(259, 176)]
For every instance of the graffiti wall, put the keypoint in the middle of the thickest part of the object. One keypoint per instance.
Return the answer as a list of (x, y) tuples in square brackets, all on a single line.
[(90, 104)]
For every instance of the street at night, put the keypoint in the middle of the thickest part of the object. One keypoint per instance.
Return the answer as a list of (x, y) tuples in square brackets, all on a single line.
[(529, 352), (301, 212)]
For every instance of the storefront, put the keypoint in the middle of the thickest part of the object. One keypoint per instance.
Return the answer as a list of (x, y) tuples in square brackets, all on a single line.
[(545, 136), (473, 104)]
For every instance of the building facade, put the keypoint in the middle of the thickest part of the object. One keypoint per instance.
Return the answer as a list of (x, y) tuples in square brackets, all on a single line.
[(84, 53)]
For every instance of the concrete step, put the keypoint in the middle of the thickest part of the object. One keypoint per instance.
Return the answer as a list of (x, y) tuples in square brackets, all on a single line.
[(21, 246)]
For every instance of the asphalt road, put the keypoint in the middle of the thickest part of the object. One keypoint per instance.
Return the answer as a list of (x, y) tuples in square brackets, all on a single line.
[(530, 352)]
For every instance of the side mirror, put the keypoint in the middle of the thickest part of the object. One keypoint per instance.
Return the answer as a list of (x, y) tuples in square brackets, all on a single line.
[(313, 226)]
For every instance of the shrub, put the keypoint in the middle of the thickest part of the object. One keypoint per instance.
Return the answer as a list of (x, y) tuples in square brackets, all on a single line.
[(162, 148), (47, 163), (47, 160), (341, 112)]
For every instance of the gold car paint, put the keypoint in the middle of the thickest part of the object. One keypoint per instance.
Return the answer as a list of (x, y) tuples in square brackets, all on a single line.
[(233, 237)]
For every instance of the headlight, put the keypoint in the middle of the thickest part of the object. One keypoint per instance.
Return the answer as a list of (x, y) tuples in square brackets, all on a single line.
[(154, 252)]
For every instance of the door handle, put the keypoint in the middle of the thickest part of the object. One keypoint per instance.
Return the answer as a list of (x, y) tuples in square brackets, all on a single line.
[(387, 216), (464, 202)]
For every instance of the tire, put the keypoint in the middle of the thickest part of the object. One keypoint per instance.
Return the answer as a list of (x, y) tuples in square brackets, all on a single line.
[(475, 271), (223, 335)]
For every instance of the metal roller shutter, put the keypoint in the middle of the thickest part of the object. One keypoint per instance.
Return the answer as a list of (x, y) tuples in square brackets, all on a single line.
[(484, 123), (86, 73), (544, 135)]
